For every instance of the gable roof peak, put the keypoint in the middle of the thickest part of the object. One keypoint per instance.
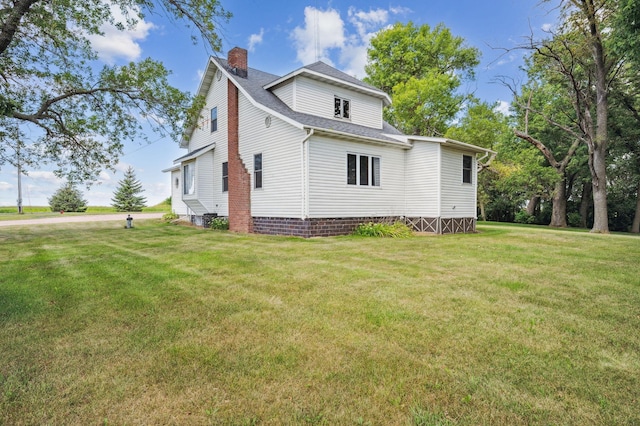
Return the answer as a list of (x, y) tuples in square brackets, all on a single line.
[(327, 73)]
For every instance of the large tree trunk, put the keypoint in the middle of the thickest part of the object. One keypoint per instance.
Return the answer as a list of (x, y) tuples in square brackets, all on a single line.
[(635, 227), (559, 212), (585, 203), (599, 179), (598, 146), (483, 213), (532, 206)]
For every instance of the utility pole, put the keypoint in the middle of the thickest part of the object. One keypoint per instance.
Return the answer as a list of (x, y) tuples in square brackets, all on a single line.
[(19, 182)]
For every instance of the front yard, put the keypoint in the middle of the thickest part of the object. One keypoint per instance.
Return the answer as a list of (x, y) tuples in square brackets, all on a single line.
[(163, 324)]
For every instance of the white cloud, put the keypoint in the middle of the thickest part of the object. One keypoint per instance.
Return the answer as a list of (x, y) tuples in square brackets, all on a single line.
[(325, 35), (104, 177), (116, 43), (255, 39), (503, 107), (5, 186), (546, 27), (45, 176), (122, 167), (400, 10), (323, 30)]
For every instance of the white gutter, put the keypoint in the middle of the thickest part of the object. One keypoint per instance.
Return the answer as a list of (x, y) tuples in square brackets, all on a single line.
[(346, 135), (305, 174)]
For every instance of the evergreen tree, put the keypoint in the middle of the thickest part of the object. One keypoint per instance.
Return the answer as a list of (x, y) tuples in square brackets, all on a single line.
[(126, 198), (67, 199)]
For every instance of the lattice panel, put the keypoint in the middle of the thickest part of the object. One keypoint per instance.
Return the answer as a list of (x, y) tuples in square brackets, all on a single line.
[(423, 224)]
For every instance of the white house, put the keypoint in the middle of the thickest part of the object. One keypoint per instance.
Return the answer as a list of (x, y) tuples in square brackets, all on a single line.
[(309, 154)]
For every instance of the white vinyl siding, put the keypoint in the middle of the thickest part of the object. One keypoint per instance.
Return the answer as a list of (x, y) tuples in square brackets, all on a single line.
[(203, 134), (205, 180), (177, 205), (281, 147), (422, 183), (208, 178), (331, 196), (317, 98), (220, 200), (458, 198), (285, 93)]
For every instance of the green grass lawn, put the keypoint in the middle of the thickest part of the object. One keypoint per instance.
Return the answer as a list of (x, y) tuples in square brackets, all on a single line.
[(164, 324), (37, 212)]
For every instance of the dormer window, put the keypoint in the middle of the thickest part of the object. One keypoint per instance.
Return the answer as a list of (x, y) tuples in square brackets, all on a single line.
[(341, 108)]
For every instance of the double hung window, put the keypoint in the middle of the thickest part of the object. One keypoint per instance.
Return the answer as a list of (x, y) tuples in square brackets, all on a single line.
[(189, 179), (467, 168), (341, 108), (225, 176), (214, 119), (257, 171), (363, 170)]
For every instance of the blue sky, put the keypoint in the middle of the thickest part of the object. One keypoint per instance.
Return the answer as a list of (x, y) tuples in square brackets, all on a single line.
[(281, 37)]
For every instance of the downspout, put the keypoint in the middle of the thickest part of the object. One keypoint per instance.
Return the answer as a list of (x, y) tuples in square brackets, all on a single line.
[(439, 182), (305, 174)]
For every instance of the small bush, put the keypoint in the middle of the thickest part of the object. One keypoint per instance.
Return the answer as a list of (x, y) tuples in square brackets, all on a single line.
[(220, 223), (170, 217), (524, 217), (387, 230), (574, 220)]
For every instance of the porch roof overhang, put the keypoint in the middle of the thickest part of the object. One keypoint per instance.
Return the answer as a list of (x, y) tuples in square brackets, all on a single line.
[(195, 153), (444, 141)]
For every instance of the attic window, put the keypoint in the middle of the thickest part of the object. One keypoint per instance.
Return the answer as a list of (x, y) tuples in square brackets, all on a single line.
[(341, 108)]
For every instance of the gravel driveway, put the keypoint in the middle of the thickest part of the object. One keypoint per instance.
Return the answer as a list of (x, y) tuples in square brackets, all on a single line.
[(88, 218)]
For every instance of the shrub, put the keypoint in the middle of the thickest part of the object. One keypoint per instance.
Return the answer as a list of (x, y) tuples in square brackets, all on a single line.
[(524, 217), (170, 217), (220, 223), (574, 220), (68, 199), (388, 230)]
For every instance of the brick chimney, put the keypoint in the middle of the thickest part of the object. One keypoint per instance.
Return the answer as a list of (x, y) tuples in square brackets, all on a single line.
[(237, 59)]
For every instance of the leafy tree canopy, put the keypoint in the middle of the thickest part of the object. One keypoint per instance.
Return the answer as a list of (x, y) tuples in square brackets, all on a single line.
[(59, 105), (126, 198), (422, 69)]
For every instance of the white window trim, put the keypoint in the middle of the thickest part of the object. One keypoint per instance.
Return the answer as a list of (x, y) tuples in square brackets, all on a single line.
[(342, 101), (261, 171), (192, 187), (370, 174), (470, 169)]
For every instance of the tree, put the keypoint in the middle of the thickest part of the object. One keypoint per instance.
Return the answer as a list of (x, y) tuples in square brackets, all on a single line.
[(67, 199), (544, 123), (579, 52), (126, 198), (77, 112), (422, 69), (626, 41)]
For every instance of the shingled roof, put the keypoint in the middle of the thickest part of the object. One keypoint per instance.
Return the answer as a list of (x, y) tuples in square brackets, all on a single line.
[(254, 87)]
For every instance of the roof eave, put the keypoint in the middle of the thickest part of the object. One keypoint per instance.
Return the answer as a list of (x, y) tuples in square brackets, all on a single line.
[(360, 138), (447, 141), (305, 71)]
